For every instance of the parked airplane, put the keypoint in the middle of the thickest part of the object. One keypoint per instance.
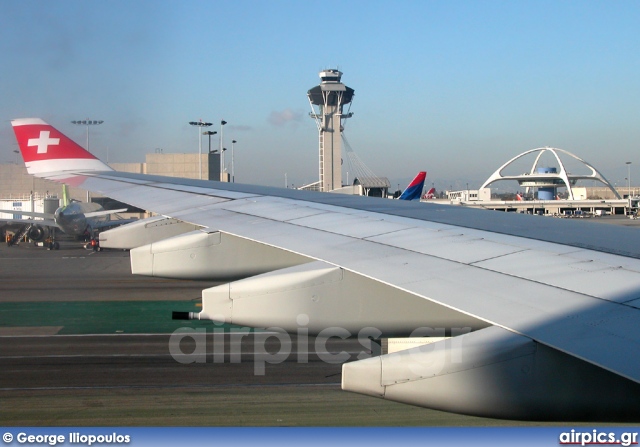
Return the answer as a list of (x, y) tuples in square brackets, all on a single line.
[(542, 317), (414, 190), (431, 194), (78, 219)]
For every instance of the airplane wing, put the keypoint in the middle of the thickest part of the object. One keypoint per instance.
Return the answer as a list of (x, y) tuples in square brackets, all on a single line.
[(28, 213), (106, 224), (46, 219), (540, 316), (40, 222), (104, 212)]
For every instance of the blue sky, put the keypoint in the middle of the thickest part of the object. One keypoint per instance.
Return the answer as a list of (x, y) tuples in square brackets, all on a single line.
[(454, 88)]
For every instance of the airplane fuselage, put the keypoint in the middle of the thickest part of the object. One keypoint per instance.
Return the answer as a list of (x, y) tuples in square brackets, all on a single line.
[(72, 220)]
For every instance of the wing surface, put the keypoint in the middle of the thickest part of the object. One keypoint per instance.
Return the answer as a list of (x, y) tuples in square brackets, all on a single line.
[(583, 302)]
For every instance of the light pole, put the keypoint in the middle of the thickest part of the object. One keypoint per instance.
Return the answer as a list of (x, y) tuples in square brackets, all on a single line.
[(628, 163), (233, 177), (199, 124), (224, 171), (87, 123), (209, 133), (222, 123)]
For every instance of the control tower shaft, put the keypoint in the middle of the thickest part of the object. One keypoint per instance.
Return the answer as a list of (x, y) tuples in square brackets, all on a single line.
[(329, 98)]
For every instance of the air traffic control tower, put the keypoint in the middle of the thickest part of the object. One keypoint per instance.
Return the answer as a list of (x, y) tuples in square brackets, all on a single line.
[(330, 97)]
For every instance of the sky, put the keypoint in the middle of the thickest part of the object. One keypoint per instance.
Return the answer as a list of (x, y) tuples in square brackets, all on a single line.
[(455, 88)]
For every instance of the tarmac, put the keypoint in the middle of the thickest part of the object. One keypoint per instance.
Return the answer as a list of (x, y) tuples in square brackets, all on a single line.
[(85, 343)]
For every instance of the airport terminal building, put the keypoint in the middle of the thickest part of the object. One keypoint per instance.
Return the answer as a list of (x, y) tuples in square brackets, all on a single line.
[(540, 186), (558, 208)]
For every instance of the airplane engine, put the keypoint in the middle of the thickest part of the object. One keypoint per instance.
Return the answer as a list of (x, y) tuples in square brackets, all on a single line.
[(209, 256), (499, 374), (322, 298), (143, 232), (37, 233)]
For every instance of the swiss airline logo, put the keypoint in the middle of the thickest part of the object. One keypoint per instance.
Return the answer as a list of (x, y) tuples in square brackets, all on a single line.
[(41, 141)]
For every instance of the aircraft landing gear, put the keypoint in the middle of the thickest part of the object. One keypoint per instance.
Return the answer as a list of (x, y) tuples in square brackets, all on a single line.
[(51, 244)]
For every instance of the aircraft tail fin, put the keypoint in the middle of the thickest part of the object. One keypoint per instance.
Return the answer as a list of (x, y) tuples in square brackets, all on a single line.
[(431, 194), (414, 190), (65, 195), (47, 152)]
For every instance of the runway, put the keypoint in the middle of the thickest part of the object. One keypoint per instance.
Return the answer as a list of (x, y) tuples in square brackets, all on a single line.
[(29, 273), (163, 360), (133, 380), (130, 370)]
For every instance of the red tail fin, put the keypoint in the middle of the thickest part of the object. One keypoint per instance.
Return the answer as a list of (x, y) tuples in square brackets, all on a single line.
[(46, 150), (431, 194)]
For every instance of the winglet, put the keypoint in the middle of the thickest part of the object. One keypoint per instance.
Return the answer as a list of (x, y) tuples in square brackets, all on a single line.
[(414, 190), (47, 151)]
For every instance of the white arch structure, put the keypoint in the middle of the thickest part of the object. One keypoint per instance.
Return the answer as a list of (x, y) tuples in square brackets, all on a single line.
[(536, 179)]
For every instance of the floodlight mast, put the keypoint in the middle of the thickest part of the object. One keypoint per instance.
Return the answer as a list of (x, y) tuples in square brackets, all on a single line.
[(87, 123), (200, 124), (233, 176), (222, 169), (628, 163)]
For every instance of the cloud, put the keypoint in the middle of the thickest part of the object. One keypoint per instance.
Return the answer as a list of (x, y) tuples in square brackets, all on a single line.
[(286, 116)]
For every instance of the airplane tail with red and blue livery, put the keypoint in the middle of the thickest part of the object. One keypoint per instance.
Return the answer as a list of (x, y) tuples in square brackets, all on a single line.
[(414, 190)]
